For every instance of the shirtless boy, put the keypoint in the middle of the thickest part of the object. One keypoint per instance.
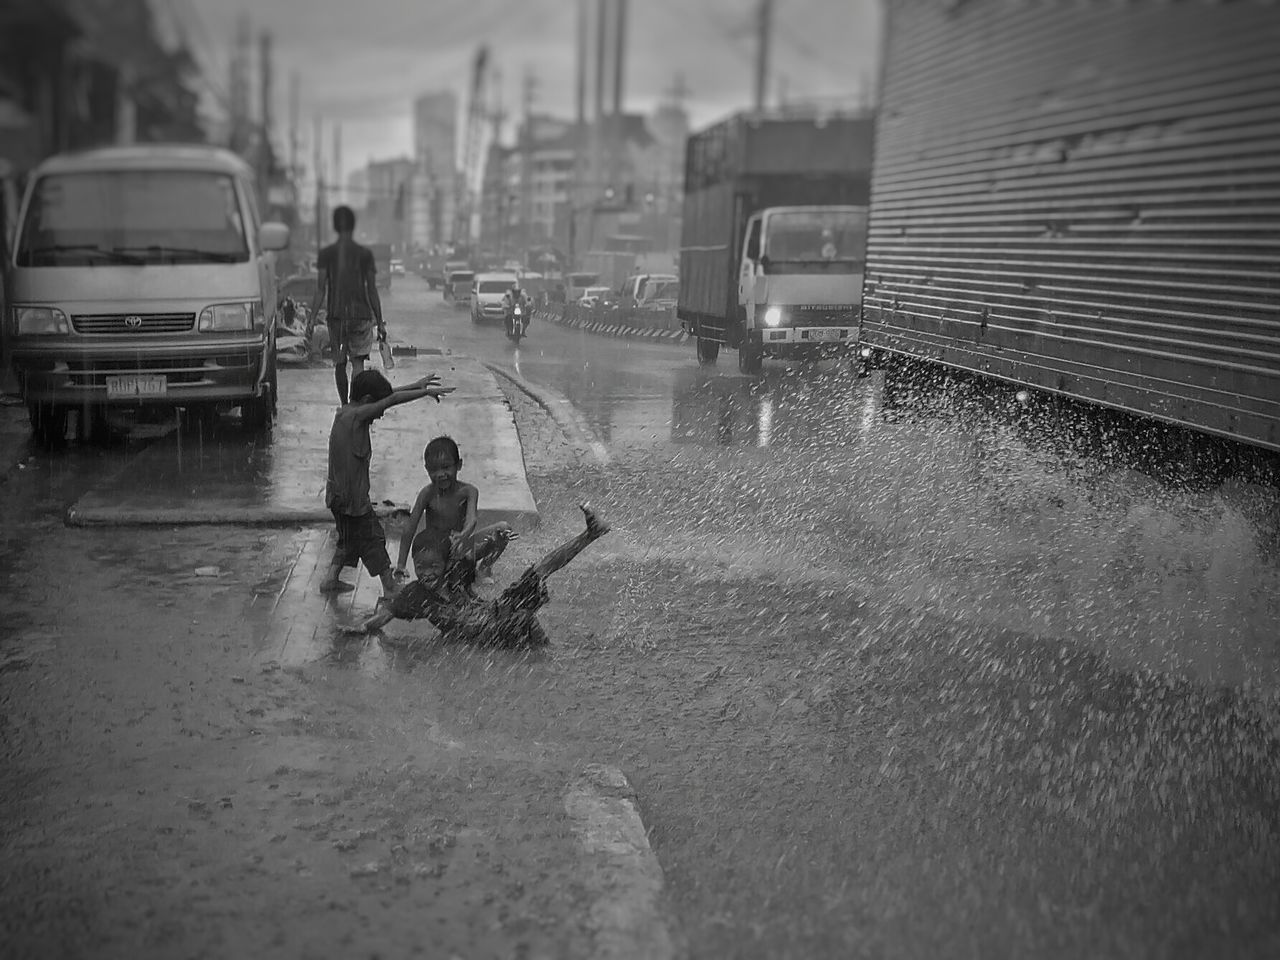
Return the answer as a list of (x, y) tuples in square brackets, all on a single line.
[(449, 552)]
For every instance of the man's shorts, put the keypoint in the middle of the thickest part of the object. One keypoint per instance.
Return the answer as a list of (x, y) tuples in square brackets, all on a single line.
[(350, 339), (362, 540)]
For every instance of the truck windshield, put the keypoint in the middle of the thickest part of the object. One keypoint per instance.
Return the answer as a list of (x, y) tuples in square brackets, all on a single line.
[(113, 217), (817, 236)]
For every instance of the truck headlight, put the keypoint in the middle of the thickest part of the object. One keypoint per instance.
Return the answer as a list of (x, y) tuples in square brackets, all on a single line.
[(223, 317), (35, 321), (773, 316)]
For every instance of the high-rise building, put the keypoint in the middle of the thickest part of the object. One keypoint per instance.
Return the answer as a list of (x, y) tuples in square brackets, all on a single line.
[(436, 181), (388, 203)]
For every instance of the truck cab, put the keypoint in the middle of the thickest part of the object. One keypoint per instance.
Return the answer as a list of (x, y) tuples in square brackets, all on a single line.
[(800, 281)]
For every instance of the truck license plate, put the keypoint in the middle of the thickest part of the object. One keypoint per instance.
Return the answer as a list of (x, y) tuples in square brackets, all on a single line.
[(824, 333), (136, 387)]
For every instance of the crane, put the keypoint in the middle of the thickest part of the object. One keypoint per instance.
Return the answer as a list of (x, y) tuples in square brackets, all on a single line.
[(474, 137)]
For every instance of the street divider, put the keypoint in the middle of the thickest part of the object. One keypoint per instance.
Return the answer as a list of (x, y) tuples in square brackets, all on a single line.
[(616, 321)]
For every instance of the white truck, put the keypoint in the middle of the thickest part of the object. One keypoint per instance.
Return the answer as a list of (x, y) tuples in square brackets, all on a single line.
[(773, 237)]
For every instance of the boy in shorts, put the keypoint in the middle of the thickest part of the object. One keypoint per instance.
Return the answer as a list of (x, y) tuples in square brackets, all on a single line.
[(360, 534), (347, 280), (509, 621)]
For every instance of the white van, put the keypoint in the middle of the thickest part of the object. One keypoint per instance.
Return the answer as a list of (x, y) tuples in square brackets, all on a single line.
[(142, 275), (486, 303)]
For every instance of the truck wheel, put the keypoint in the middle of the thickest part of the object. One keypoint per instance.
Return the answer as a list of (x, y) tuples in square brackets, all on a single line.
[(750, 357), (708, 350)]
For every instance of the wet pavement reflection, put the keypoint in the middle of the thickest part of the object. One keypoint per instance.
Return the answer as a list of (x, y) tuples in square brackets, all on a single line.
[(1159, 548)]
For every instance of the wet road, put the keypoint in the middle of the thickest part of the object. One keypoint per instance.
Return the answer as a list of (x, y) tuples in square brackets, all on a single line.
[(984, 513), (892, 675)]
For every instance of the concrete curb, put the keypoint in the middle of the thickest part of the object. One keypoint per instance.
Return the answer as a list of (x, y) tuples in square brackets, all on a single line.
[(627, 331), (560, 410), (107, 516), (624, 873)]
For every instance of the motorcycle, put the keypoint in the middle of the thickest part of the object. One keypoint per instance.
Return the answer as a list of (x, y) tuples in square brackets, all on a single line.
[(517, 322)]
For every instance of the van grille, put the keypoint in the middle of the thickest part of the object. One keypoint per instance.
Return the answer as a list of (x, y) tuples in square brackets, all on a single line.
[(175, 369), (134, 323)]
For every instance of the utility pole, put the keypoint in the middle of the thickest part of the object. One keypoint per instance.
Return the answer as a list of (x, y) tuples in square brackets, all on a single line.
[(582, 53), (530, 86), (619, 55), (264, 145), (318, 160), (337, 164), (295, 87), (601, 63), (240, 122), (764, 33)]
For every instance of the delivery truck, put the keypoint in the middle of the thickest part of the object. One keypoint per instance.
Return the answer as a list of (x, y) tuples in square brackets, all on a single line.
[(773, 235), (1085, 199)]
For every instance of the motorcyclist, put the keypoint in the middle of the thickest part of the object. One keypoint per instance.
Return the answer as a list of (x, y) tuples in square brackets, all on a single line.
[(510, 299)]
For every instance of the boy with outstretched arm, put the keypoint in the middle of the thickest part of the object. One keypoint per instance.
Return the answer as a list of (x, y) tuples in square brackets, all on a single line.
[(360, 534)]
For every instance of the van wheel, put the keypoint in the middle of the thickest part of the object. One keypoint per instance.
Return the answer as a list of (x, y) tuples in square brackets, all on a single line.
[(708, 350), (750, 357), (257, 413), (273, 382), (48, 424)]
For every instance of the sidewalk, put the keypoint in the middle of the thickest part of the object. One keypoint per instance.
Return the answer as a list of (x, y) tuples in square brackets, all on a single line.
[(228, 477)]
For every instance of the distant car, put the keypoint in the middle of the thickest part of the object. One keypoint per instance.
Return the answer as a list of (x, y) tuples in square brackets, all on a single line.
[(458, 287), (595, 297), (397, 268), (487, 302), (661, 296), (575, 284)]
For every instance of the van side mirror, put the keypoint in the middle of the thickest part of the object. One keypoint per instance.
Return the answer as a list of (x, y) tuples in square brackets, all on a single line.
[(273, 235)]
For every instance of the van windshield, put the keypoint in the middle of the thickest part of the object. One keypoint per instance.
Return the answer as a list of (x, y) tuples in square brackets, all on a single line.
[(494, 286), (114, 217), (817, 236)]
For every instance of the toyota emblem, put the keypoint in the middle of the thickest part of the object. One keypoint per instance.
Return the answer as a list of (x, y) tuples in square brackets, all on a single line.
[(133, 321)]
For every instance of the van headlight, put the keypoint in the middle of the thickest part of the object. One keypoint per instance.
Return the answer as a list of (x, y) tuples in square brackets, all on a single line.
[(35, 321), (773, 316), (225, 317)]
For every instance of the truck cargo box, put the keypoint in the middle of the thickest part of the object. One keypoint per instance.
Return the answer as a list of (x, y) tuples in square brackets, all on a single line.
[(1085, 198)]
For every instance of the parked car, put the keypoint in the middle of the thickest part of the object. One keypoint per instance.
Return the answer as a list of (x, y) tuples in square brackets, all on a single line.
[(458, 287), (487, 302), (595, 297), (576, 284), (138, 279), (660, 296)]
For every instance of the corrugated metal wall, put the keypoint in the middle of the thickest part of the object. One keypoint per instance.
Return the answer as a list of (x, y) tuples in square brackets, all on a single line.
[(1085, 196)]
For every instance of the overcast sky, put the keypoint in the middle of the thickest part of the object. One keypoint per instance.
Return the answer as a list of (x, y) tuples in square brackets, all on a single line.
[(361, 62)]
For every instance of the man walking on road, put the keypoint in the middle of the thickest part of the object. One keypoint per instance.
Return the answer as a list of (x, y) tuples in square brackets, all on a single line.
[(347, 279)]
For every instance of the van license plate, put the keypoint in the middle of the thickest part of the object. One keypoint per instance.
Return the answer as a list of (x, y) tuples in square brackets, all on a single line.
[(827, 333), (136, 387)]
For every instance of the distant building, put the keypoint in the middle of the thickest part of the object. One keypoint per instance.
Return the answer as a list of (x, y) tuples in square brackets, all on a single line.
[(436, 182), (544, 191), (88, 73), (387, 202)]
